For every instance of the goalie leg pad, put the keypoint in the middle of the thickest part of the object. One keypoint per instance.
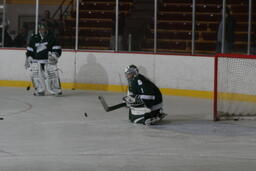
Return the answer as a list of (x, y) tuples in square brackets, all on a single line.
[(144, 115), (139, 110), (154, 117), (136, 118), (52, 79), (38, 78), (137, 114)]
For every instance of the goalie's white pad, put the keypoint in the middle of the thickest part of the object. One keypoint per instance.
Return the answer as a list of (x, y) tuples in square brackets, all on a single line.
[(154, 120), (38, 77), (52, 79), (139, 110)]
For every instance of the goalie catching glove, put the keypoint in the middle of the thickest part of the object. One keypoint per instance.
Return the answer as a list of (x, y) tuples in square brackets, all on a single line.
[(133, 101), (28, 62)]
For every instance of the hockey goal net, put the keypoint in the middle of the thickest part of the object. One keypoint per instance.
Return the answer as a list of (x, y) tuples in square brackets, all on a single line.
[(234, 87)]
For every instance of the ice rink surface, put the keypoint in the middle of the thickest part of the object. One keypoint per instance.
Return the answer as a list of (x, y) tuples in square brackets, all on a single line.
[(52, 134)]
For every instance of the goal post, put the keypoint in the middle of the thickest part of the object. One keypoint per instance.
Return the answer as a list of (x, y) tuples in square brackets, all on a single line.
[(234, 87)]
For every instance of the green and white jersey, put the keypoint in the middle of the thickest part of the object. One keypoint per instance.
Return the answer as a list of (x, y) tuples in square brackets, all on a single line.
[(148, 92), (39, 47)]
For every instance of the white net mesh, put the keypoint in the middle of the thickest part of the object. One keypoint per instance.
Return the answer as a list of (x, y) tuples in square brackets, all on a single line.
[(236, 87)]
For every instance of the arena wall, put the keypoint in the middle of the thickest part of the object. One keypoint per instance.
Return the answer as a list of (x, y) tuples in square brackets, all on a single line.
[(174, 74)]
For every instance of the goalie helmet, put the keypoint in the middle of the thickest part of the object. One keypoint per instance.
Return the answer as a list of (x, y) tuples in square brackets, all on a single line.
[(43, 29), (131, 71)]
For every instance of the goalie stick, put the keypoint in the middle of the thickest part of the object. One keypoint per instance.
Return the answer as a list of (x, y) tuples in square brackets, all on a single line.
[(31, 82), (110, 108)]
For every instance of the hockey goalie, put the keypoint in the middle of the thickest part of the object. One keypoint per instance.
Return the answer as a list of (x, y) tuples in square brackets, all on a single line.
[(42, 56), (143, 99)]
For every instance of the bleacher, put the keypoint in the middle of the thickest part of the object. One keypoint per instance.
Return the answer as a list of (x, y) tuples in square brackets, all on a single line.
[(96, 20), (174, 26)]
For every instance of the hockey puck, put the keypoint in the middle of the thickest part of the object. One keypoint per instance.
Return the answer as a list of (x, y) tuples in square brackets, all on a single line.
[(1, 118), (85, 114)]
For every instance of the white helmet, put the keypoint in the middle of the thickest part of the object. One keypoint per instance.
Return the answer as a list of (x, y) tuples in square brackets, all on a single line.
[(131, 70)]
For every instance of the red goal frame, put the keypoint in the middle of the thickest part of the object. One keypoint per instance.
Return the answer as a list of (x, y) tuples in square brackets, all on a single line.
[(215, 89)]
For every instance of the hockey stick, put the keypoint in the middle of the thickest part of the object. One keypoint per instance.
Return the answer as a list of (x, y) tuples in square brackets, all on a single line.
[(31, 82), (110, 108), (28, 87)]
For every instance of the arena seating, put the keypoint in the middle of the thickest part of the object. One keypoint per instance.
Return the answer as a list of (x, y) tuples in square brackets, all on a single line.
[(96, 20), (174, 27), (175, 24)]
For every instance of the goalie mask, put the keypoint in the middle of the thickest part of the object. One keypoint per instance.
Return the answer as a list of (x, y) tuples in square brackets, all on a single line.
[(43, 30), (131, 71)]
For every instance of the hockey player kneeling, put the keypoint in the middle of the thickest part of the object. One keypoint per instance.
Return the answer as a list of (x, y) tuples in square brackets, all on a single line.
[(42, 56), (144, 98)]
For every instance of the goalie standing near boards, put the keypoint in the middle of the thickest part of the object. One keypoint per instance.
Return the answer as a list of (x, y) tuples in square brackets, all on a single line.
[(144, 98), (42, 56)]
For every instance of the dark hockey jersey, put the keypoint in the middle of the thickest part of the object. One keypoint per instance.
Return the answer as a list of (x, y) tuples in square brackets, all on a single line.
[(38, 48), (148, 92)]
